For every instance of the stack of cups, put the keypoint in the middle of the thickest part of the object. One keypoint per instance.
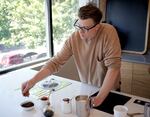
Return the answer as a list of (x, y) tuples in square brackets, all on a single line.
[(120, 111), (147, 110)]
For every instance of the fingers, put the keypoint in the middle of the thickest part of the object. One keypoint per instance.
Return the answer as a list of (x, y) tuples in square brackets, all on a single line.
[(25, 89), (93, 102), (96, 101), (26, 93)]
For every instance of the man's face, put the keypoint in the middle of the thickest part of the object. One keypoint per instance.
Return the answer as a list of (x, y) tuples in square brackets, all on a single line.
[(87, 28)]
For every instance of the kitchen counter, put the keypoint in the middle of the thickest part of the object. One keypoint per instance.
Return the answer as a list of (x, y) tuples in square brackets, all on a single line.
[(11, 97)]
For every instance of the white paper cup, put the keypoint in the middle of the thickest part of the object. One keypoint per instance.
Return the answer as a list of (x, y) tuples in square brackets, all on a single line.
[(44, 102), (120, 111), (66, 106)]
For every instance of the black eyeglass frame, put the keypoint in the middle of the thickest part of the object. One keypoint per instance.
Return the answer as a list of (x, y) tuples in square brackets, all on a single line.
[(83, 28)]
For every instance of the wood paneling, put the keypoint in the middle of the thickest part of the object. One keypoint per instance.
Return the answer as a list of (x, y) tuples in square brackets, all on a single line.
[(126, 77), (135, 79), (141, 80)]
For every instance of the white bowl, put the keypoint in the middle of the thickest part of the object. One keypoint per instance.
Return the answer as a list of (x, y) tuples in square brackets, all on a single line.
[(27, 105)]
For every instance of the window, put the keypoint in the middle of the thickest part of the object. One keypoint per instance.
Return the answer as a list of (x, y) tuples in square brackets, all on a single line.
[(63, 17), (29, 29), (22, 32)]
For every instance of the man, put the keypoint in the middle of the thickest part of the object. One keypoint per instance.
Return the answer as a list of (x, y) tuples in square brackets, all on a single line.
[(96, 51)]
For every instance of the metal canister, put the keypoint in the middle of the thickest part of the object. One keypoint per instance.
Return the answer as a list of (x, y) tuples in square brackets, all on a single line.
[(147, 110), (82, 106)]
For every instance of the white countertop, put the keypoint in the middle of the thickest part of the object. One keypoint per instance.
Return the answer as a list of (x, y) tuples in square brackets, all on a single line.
[(11, 97)]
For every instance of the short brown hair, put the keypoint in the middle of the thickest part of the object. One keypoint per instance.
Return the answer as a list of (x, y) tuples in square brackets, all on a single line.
[(90, 11)]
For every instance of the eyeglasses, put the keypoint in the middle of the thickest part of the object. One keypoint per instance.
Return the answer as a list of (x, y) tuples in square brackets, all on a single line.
[(84, 29)]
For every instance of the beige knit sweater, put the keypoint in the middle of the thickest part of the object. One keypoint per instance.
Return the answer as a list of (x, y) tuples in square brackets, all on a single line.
[(92, 58)]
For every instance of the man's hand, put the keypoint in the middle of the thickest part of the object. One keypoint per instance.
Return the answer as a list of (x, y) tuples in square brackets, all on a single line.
[(96, 101), (26, 86)]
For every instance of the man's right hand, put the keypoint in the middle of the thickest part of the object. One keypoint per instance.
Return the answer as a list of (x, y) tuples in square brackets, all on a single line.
[(26, 86)]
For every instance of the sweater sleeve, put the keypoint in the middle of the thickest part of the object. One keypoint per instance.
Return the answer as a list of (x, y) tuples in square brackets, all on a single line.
[(112, 49), (56, 62)]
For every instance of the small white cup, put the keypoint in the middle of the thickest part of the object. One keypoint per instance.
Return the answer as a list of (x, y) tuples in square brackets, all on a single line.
[(120, 111), (66, 105), (44, 102)]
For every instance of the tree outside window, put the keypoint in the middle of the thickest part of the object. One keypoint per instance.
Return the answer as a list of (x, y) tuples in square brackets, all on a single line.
[(23, 26)]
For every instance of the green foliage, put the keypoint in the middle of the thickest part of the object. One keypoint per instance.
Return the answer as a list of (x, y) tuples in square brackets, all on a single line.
[(23, 21), (63, 18), (4, 20)]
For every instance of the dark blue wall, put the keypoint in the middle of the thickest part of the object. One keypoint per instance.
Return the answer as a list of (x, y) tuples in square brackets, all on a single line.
[(130, 19)]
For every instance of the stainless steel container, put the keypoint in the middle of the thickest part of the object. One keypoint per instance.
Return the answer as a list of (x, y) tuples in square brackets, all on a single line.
[(147, 110), (82, 106)]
